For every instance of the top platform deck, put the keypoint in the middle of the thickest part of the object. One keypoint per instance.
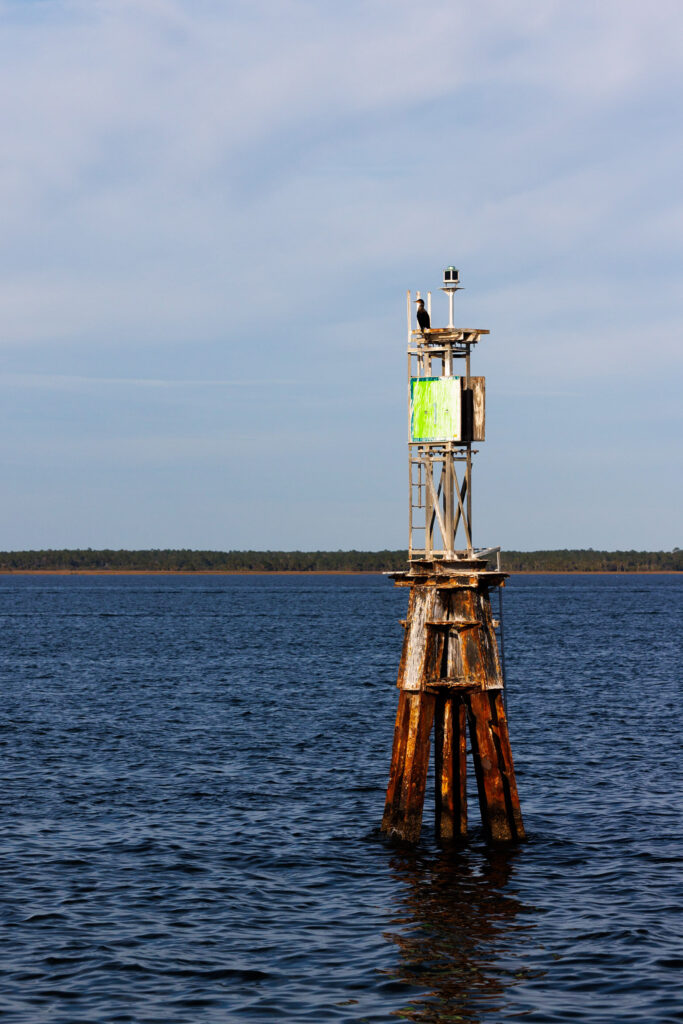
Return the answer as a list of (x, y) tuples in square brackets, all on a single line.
[(440, 337)]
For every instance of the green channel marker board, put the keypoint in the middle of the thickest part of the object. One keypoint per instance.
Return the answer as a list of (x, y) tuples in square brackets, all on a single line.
[(435, 409)]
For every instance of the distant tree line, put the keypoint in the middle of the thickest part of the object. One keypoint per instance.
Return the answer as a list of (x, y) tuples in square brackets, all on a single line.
[(587, 560), (169, 560)]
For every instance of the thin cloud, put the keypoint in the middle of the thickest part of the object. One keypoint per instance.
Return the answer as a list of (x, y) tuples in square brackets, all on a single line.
[(195, 192), (65, 381)]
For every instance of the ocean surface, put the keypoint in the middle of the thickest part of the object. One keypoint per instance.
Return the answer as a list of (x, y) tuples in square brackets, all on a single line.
[(193, 776)]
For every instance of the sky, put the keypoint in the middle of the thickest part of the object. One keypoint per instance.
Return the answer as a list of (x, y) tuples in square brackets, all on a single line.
[(210, 213)]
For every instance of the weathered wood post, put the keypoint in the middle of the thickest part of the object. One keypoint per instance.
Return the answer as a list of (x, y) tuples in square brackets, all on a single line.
[(450, 675)]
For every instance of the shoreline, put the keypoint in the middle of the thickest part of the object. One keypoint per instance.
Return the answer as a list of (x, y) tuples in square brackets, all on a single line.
[(318, 572)]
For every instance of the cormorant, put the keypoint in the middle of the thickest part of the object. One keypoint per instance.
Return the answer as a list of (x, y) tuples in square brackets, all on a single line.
[(423, 320)]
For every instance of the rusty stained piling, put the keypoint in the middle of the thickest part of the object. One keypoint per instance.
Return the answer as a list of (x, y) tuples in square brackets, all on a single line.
[(450, 678), (450, 767)]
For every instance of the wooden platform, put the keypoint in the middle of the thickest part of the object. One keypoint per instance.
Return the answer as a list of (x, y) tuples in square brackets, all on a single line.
[(446, 336)]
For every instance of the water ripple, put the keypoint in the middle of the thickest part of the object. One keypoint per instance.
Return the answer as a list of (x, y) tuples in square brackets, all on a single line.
[(194, 772)]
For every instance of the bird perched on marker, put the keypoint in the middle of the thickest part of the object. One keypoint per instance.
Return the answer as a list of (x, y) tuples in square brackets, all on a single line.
[(423, 320)]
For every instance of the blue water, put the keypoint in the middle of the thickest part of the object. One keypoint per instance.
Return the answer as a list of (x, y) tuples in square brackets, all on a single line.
[(193, 772)]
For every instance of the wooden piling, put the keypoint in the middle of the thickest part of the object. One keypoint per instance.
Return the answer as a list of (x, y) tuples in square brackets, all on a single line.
[(498, 798), (450, 677), (450, 767), (409, 765)]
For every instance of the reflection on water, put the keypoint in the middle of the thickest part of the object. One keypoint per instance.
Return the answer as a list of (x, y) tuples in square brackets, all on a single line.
[(460, 932)]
